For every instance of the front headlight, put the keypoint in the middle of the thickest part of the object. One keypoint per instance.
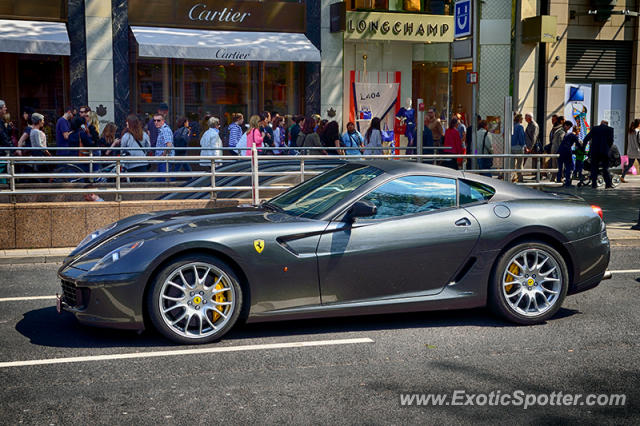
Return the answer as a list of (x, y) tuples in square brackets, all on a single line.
[(95, 234), (116, 255)]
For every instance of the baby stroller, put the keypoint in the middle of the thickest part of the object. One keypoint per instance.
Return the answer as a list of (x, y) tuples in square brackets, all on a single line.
[(614, 161)]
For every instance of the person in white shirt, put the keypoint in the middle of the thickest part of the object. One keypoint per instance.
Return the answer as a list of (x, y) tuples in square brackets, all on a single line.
[(210, 142)]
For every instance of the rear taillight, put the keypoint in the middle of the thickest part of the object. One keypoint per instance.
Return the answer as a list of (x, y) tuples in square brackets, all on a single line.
[(597, 210)]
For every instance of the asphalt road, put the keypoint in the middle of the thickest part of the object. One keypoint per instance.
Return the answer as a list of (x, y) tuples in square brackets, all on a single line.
[(590, 347)]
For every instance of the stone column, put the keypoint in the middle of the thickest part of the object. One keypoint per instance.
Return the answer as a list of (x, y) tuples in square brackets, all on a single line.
[(120, 29), (99, 37), (331, 74), (556, 69), (525, 85), (312, 69), (78, 58)]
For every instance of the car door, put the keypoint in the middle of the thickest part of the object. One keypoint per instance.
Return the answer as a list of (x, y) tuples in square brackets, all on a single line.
[(412, 247)]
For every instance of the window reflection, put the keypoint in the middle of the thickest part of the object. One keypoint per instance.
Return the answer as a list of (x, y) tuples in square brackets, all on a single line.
[(195, 88), (411, 195)]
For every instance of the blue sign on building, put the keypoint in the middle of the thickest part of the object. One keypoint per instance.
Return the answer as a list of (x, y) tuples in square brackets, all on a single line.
[(462, 18)]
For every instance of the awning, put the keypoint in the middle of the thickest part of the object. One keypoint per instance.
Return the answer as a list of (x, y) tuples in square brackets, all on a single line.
[(35, 37), (158, 42)]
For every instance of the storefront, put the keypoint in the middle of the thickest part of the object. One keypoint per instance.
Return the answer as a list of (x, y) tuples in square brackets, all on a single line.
[(218, 57), (34, 58), (410, 50)]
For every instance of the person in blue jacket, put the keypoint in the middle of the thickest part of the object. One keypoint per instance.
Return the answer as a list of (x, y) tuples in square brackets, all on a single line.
[(352, 140)]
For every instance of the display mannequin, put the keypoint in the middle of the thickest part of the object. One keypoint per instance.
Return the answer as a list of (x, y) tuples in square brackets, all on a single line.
[(407, 116)]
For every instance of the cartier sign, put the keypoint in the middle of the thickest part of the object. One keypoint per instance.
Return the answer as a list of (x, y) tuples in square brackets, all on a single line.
[(239, 15), (399, 27)]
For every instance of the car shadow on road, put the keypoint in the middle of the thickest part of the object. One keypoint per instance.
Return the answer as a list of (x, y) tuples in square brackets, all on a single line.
[(45, 327), (480, 317)]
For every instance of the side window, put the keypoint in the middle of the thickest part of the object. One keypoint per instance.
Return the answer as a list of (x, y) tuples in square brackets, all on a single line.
[(473, 192), (412, 194)]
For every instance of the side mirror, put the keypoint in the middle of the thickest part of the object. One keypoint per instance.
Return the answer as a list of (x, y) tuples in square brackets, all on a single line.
[(362, 208)]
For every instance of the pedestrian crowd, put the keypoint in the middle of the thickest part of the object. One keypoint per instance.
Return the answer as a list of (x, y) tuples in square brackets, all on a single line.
[(271, 134), (579, 151), (274, 134)]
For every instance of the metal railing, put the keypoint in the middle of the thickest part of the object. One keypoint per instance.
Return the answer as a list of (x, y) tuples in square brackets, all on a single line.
[(23, 171)]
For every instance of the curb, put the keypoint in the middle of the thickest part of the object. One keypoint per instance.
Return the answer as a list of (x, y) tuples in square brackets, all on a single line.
[(18, 260)]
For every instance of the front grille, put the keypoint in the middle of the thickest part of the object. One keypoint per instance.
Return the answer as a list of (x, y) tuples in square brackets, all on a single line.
[(72, 295)]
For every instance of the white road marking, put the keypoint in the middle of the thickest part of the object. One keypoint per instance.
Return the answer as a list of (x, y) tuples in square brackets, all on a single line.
[(626, 271), (184, 352), (18, 299)]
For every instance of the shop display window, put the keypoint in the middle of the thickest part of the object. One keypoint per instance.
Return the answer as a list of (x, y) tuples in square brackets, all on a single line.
[(196, 88), (430, 83)]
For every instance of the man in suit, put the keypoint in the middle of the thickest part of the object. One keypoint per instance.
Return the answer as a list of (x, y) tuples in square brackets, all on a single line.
[(601, 138)]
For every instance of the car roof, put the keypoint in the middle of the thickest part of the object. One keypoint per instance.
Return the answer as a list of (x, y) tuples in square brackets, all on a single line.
[(402, 167)]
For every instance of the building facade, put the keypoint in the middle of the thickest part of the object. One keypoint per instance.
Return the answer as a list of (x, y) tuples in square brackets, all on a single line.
[(225, 56)]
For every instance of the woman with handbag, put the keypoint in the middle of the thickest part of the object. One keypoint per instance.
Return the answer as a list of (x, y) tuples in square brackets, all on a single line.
[(633, 147), (373, 138), (254, 136), (136, 141), (486, 147), (309, 138), (331, 138)]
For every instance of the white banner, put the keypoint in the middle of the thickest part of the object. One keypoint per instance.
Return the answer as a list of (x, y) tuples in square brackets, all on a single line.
[(375, 100)]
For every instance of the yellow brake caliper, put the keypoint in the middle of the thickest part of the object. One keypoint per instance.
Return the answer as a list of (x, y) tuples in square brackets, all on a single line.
[(220, 298), (515, 271)]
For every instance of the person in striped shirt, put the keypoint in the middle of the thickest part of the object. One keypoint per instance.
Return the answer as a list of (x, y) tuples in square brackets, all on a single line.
[(235, 130)]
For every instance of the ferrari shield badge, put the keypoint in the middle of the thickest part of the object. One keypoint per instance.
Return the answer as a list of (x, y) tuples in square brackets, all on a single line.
[(258, 245)]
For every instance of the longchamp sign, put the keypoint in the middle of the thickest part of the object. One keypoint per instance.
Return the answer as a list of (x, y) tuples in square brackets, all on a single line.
[(399, 27), (277, 16)]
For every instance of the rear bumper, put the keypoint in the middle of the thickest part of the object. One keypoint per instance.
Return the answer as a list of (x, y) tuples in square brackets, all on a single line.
[(590, 258)]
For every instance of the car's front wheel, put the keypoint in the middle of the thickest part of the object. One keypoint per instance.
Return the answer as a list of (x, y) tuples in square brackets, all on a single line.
[(195, 299), (529, 283)]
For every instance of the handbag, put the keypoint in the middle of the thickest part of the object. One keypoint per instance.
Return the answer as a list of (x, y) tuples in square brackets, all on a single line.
[(489, 161), (387, 135), (242, 143)]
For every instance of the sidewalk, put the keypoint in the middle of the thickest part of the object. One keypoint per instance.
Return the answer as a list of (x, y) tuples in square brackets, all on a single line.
[(620, 207)]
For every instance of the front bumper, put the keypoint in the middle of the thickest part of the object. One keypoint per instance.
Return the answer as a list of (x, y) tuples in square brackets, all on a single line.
[(113, 301)]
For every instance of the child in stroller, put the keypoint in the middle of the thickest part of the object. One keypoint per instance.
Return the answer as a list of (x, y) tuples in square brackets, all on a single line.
[(614, 161)]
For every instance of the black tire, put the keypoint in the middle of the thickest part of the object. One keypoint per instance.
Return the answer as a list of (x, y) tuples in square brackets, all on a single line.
[(197, 303), (536, 290)]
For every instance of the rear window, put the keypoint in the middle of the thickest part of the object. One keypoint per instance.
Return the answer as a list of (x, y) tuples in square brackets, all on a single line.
[(474, 192)]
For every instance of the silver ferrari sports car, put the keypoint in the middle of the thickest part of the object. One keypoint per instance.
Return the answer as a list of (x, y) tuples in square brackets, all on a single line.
[(362, 238)]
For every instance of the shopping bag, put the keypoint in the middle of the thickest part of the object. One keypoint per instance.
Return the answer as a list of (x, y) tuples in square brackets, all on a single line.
[(624, 160), (365, 114)]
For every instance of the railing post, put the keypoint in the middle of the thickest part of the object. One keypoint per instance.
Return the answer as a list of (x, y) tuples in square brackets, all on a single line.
[(213, 180), (301, 169), (538, 171), (12, 179), (91, 179), (255, 178), (118, 195)]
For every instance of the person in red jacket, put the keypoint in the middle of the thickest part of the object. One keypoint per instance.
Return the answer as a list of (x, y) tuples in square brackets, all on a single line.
[(453, 141)]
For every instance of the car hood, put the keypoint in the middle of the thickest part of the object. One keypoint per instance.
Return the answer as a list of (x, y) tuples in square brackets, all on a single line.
[(157, 225)]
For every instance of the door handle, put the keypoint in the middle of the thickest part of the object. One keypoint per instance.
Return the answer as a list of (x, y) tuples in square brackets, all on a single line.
[(463, 222)]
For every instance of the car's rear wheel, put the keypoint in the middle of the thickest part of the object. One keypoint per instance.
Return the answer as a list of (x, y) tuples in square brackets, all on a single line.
[(195, 299), (529, 283)]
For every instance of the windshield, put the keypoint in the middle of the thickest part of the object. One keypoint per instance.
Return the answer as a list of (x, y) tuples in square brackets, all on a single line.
[(318, 195)]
